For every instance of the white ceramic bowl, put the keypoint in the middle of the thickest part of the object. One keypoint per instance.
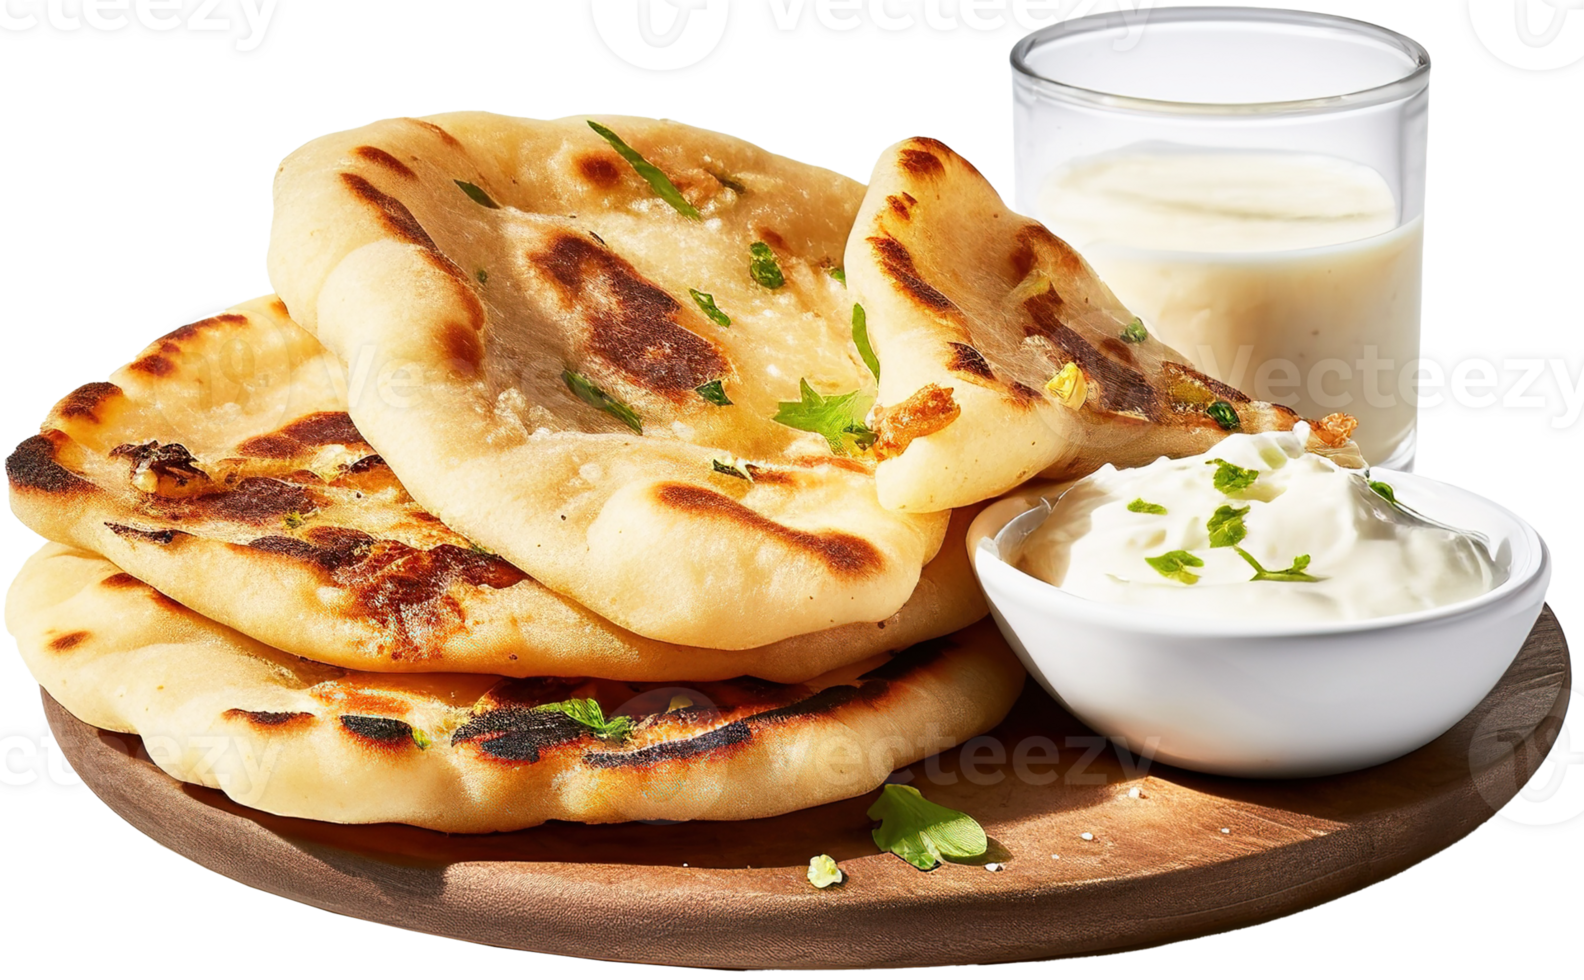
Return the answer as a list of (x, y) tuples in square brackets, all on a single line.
[(1257, 699)]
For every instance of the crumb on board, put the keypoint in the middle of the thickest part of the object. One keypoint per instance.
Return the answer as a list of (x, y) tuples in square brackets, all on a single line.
[(1226, 830), (994, 866), (1086, 835)]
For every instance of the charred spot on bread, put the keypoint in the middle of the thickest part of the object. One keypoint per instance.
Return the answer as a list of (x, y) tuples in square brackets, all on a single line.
[(841, 553), (32, 466)]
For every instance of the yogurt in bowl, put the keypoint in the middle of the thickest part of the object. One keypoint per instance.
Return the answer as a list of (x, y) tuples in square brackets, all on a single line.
[(1259, 611)]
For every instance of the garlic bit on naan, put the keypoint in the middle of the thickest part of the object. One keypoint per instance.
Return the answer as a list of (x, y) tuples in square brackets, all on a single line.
[(221, 467), (472, 753), (562, 391), (1003, 356)]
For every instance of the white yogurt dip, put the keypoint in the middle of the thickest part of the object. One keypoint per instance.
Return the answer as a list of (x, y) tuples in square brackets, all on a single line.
[(1288, 275), (1286, 536)]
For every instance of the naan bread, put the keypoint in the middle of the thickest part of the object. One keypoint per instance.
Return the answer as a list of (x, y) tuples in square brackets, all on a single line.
[(221, 466), (972, 310), (481, 262), (467, 752)]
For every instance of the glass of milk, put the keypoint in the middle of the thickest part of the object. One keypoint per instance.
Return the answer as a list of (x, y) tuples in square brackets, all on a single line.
[(1251, 183)]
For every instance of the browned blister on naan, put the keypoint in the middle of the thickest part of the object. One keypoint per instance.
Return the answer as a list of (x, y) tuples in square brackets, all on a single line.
[(473, 753), (970, 303), (221, 466), (498, 267)]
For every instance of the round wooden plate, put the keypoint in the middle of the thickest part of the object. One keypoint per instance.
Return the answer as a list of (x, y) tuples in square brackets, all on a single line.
[(1088, 865)]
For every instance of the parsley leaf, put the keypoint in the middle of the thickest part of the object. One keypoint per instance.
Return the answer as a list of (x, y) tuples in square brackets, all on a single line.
[(1226, 526), (421, 739), (658, 181), (1385, 490), (587, 712), (1134, 333), (860, 334), (594, 395), (833, 417), (764, 268), (823, 872), (1175, 565), (1294, 574), (922, 833), (482, 276), (477, 194), (837, 273), (1142, 506), (706, 302), (729, 182), (714, 392), (294, 520), (1229, 479)]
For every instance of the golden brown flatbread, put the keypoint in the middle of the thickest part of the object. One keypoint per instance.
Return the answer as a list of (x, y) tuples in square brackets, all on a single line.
[(975, 312), (471, 752), (220, 466), (560, 334)]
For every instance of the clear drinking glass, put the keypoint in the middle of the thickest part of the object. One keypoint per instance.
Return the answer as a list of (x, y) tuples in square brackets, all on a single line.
[(1251, 183)]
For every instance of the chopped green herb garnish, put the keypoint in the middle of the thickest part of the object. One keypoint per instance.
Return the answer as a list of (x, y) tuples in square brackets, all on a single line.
[(714, 393), (922, 833), (1226, 526), (764, 268), (477, 194), (860, 334), (1385, 490), (732, 466), (706, 302), (294, 520), (837, 273), (1134, 333), (421, 738), (823, 872), (1230, 479), (594, 395), (481, 276), (658, 181), (1224, 415), (1142, 506), (479, 549), (1294, 574), (1175, 565), (587, 712), (833, 417)]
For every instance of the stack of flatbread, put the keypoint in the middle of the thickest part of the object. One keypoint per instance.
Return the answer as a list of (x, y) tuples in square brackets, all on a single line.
[(591, 470)]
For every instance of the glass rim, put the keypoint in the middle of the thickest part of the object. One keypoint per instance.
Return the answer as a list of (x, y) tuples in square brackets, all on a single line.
[(1415, 79)]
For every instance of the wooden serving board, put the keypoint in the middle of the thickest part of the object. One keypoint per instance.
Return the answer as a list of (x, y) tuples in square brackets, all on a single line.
[(1187, 856)]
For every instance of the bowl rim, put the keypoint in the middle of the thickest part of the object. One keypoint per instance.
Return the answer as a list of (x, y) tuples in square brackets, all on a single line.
[(1530, 563)]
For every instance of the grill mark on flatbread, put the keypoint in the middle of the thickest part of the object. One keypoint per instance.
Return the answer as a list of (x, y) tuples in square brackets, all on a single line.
[(898, 265), (271, 720), (967, 359), (256, 500), (376, 732), (85, 402), (347, 698), (172, 462), (394, 214), (916, 657), (1118, 350), (842, 553), (192, 330), (901, 204), (445, 137), (922, 163), (67, 641), (632, 322), (379, 157), (601, 171), (819, 703), (715, 739), (32, 466), (157, 364), (121, 580), (1122, 389), (518, 734), (161, 537), (308, 432)]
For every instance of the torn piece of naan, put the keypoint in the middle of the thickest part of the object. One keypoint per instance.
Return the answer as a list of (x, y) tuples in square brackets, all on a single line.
[(1002, 355)]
